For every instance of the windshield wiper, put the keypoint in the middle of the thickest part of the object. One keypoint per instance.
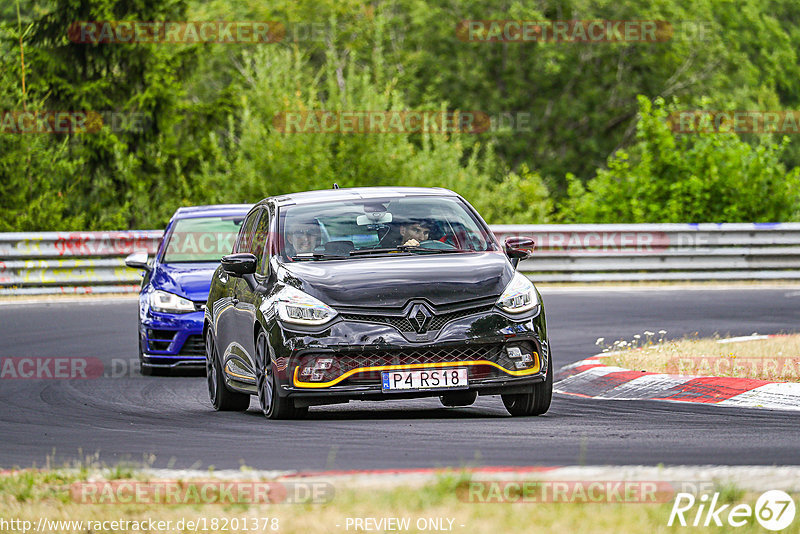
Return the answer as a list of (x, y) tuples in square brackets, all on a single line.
[(317, 256), (367, 251), (405, 249)]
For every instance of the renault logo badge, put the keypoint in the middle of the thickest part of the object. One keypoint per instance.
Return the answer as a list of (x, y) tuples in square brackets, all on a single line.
[(419, 316)]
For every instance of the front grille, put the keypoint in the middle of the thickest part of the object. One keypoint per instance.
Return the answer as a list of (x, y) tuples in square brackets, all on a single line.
[(158, 339), (402, 323), (161, 335), (193, 346), (342, 362)]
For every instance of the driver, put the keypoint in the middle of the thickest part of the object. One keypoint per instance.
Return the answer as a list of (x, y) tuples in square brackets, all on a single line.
[(413, 233), (302, 238)]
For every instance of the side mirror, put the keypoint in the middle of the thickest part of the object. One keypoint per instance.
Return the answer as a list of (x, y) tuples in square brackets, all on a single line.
[(518, 248), (239, 265), (138, 260)]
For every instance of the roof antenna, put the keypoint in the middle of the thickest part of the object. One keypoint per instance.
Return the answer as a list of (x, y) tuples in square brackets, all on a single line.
[(335, 185)]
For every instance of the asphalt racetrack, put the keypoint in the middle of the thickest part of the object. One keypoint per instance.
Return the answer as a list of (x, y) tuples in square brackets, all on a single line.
[(169, 422)]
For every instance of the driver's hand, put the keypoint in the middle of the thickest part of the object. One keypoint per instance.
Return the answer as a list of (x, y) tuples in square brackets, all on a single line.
[(411, 243)]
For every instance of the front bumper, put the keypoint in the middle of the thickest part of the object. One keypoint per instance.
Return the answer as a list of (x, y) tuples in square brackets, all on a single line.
[(172, 340), (356, 353)]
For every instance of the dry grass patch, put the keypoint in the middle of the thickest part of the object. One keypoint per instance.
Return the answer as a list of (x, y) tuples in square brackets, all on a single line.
[(775, 359)]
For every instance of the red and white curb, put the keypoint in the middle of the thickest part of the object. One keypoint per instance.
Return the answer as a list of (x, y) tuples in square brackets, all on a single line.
[(592, 378)]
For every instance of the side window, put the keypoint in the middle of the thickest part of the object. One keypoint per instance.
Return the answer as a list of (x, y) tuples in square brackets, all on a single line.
[(260, 240), (245, 239)]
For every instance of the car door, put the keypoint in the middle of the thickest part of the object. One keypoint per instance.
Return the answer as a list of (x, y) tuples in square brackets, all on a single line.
[(227, 311), (248, 299)]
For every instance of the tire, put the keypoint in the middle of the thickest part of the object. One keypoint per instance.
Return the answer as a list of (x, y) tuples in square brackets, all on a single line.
[(222, 398), (273, 406), (145, 369), (459, 398), (537, 402)]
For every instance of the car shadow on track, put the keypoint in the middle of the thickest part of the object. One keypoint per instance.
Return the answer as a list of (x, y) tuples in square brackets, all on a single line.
[(378, 411)]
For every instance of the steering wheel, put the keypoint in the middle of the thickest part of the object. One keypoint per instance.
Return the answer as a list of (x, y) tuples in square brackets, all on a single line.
[(434, 244)]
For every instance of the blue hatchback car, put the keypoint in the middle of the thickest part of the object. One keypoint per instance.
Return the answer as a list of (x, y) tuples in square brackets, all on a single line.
[(176, 282)]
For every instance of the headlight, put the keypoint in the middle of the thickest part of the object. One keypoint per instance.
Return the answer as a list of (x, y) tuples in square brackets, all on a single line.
[(161, 301), (519, 295), (297, 307)]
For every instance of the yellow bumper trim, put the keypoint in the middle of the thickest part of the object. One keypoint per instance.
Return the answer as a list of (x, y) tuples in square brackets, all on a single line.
[(299, 383)]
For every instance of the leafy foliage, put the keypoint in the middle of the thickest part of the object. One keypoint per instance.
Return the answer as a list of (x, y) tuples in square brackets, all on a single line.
[(585, 138), (696, 177)]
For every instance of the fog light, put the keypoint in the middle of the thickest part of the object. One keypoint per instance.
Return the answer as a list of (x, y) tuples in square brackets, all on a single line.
[(527, 358), (306, 371), (520, 365), (514, 352), (317, 376)]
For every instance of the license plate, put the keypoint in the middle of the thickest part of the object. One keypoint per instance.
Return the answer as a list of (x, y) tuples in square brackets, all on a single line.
[(428, 379)]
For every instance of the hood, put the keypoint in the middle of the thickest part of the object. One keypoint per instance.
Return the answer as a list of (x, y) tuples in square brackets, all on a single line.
[(188, 280), (393, 281)]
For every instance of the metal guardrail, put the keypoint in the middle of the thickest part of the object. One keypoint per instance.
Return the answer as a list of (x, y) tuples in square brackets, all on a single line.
[(93, 262), (634, 252), (71, 262)]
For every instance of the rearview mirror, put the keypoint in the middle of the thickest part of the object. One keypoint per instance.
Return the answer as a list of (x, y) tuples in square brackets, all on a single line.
[(374, 218), (240, 264), (518, 248), (138, 260)]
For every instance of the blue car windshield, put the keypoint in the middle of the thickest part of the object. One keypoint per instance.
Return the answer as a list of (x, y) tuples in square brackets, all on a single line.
[(339, 229), (201, 239)]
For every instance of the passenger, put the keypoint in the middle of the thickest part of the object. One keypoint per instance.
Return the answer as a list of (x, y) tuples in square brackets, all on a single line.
[(302, 238)]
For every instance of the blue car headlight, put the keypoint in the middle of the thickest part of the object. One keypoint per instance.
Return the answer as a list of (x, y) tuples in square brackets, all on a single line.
[(519, 295), (162, 301), (297, 307)]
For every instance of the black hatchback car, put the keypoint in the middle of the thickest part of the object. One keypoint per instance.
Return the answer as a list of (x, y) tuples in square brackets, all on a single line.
[(373, 294)]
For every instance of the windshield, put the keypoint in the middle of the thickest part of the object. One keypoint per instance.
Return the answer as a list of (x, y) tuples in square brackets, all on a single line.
[(411, 225), (202, 239)]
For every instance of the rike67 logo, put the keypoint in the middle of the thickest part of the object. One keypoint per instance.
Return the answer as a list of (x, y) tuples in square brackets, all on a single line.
[(774, 510)]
